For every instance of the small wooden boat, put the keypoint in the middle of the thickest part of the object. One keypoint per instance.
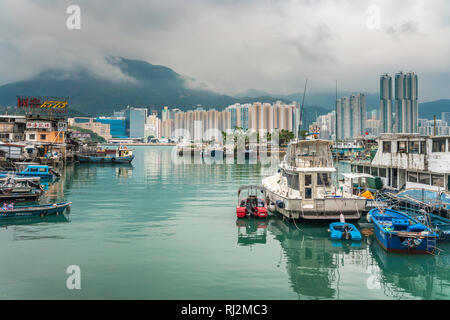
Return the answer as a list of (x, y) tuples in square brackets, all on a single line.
[(121, 155), (9, 211), (253, 204), (343, 230), (20, 190), (396, 231), (32, 195)]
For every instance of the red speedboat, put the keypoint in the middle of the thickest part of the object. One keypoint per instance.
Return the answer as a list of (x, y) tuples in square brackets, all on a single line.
[(251, 202)]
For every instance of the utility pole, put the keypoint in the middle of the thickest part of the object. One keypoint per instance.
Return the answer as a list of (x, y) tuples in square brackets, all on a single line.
[(434, 119)]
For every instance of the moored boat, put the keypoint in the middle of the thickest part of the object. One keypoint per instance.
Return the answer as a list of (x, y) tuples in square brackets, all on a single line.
[(25, 169), (119, 155), (303, 188), (343, 230), (10, 211), (253, 204), (396, 231)]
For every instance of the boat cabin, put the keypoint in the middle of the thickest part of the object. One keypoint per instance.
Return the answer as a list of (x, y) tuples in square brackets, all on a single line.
[(27, 167), (123, 151), (308, 168), (309, 153)]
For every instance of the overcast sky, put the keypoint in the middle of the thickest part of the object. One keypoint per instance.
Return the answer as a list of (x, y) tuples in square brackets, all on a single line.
[(232, 45)]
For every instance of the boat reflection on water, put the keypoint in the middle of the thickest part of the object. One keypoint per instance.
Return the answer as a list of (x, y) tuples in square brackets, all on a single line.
[(313, 260), (412, 276), (124, 171), (252, 231), (60, 218)]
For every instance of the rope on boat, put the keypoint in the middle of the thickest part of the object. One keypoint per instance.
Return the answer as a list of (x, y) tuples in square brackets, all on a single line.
[(295, 224), (367, 232)]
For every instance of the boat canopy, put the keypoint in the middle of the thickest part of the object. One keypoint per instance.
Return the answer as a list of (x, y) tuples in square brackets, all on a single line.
[(309, 153), (356, 175), (251, 187)]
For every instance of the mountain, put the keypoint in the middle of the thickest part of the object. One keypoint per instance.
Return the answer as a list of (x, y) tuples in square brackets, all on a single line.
[(145, 85), (155, 86), (428, 109)]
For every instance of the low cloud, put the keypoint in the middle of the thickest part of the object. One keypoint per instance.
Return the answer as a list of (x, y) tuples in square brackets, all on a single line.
[(230, 46)]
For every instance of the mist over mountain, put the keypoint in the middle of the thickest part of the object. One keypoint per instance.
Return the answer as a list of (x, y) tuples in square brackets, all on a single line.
[(142, 84)]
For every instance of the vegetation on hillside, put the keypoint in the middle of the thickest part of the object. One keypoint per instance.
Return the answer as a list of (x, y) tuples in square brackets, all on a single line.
[(94, 137)]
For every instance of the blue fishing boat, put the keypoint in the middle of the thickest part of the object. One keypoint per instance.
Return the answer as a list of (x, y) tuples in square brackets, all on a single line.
[(10, 211), (396, 231), (121, 155), (343, 230), (31, 170)]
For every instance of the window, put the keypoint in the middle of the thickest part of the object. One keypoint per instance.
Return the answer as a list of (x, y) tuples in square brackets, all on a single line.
[(424, 178), (437, 180), (412, 176), (438, 145), (308, 193), (386, 147), (383, 172), (32, 137), (323, 179), (367, 170), (43, 136), (308, 180), (374, 171), (414, 147), (423, 147), (292, 180), (402, 147), (33, 170), (42, 170)]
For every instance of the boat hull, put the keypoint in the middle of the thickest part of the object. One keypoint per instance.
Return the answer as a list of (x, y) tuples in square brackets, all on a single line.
[(395, 241), (20, 196), (318, 209), (38, 210), (393, 244), (99, 159)]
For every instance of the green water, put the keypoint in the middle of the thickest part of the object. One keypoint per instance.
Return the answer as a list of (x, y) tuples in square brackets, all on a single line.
[(159, 230)]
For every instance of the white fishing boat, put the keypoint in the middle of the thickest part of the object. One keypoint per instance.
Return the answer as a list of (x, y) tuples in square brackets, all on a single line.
[(303, 188)]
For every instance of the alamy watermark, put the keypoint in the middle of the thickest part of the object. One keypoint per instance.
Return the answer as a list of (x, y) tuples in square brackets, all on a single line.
[(74, 279), (231, 146), (73, 21), (373, 21)]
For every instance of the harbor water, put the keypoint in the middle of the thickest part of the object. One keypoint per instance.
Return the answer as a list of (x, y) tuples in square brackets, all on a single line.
[(161, 230)]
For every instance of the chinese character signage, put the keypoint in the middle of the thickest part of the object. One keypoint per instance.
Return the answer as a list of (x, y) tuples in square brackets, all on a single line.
[(57, 104), (38, 125)]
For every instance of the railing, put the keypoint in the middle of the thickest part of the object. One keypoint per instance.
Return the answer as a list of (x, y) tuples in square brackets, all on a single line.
[(313, 161)]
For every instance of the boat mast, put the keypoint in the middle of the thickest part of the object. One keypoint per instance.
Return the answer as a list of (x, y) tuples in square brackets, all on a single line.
[(335, 140), (300, 120)]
